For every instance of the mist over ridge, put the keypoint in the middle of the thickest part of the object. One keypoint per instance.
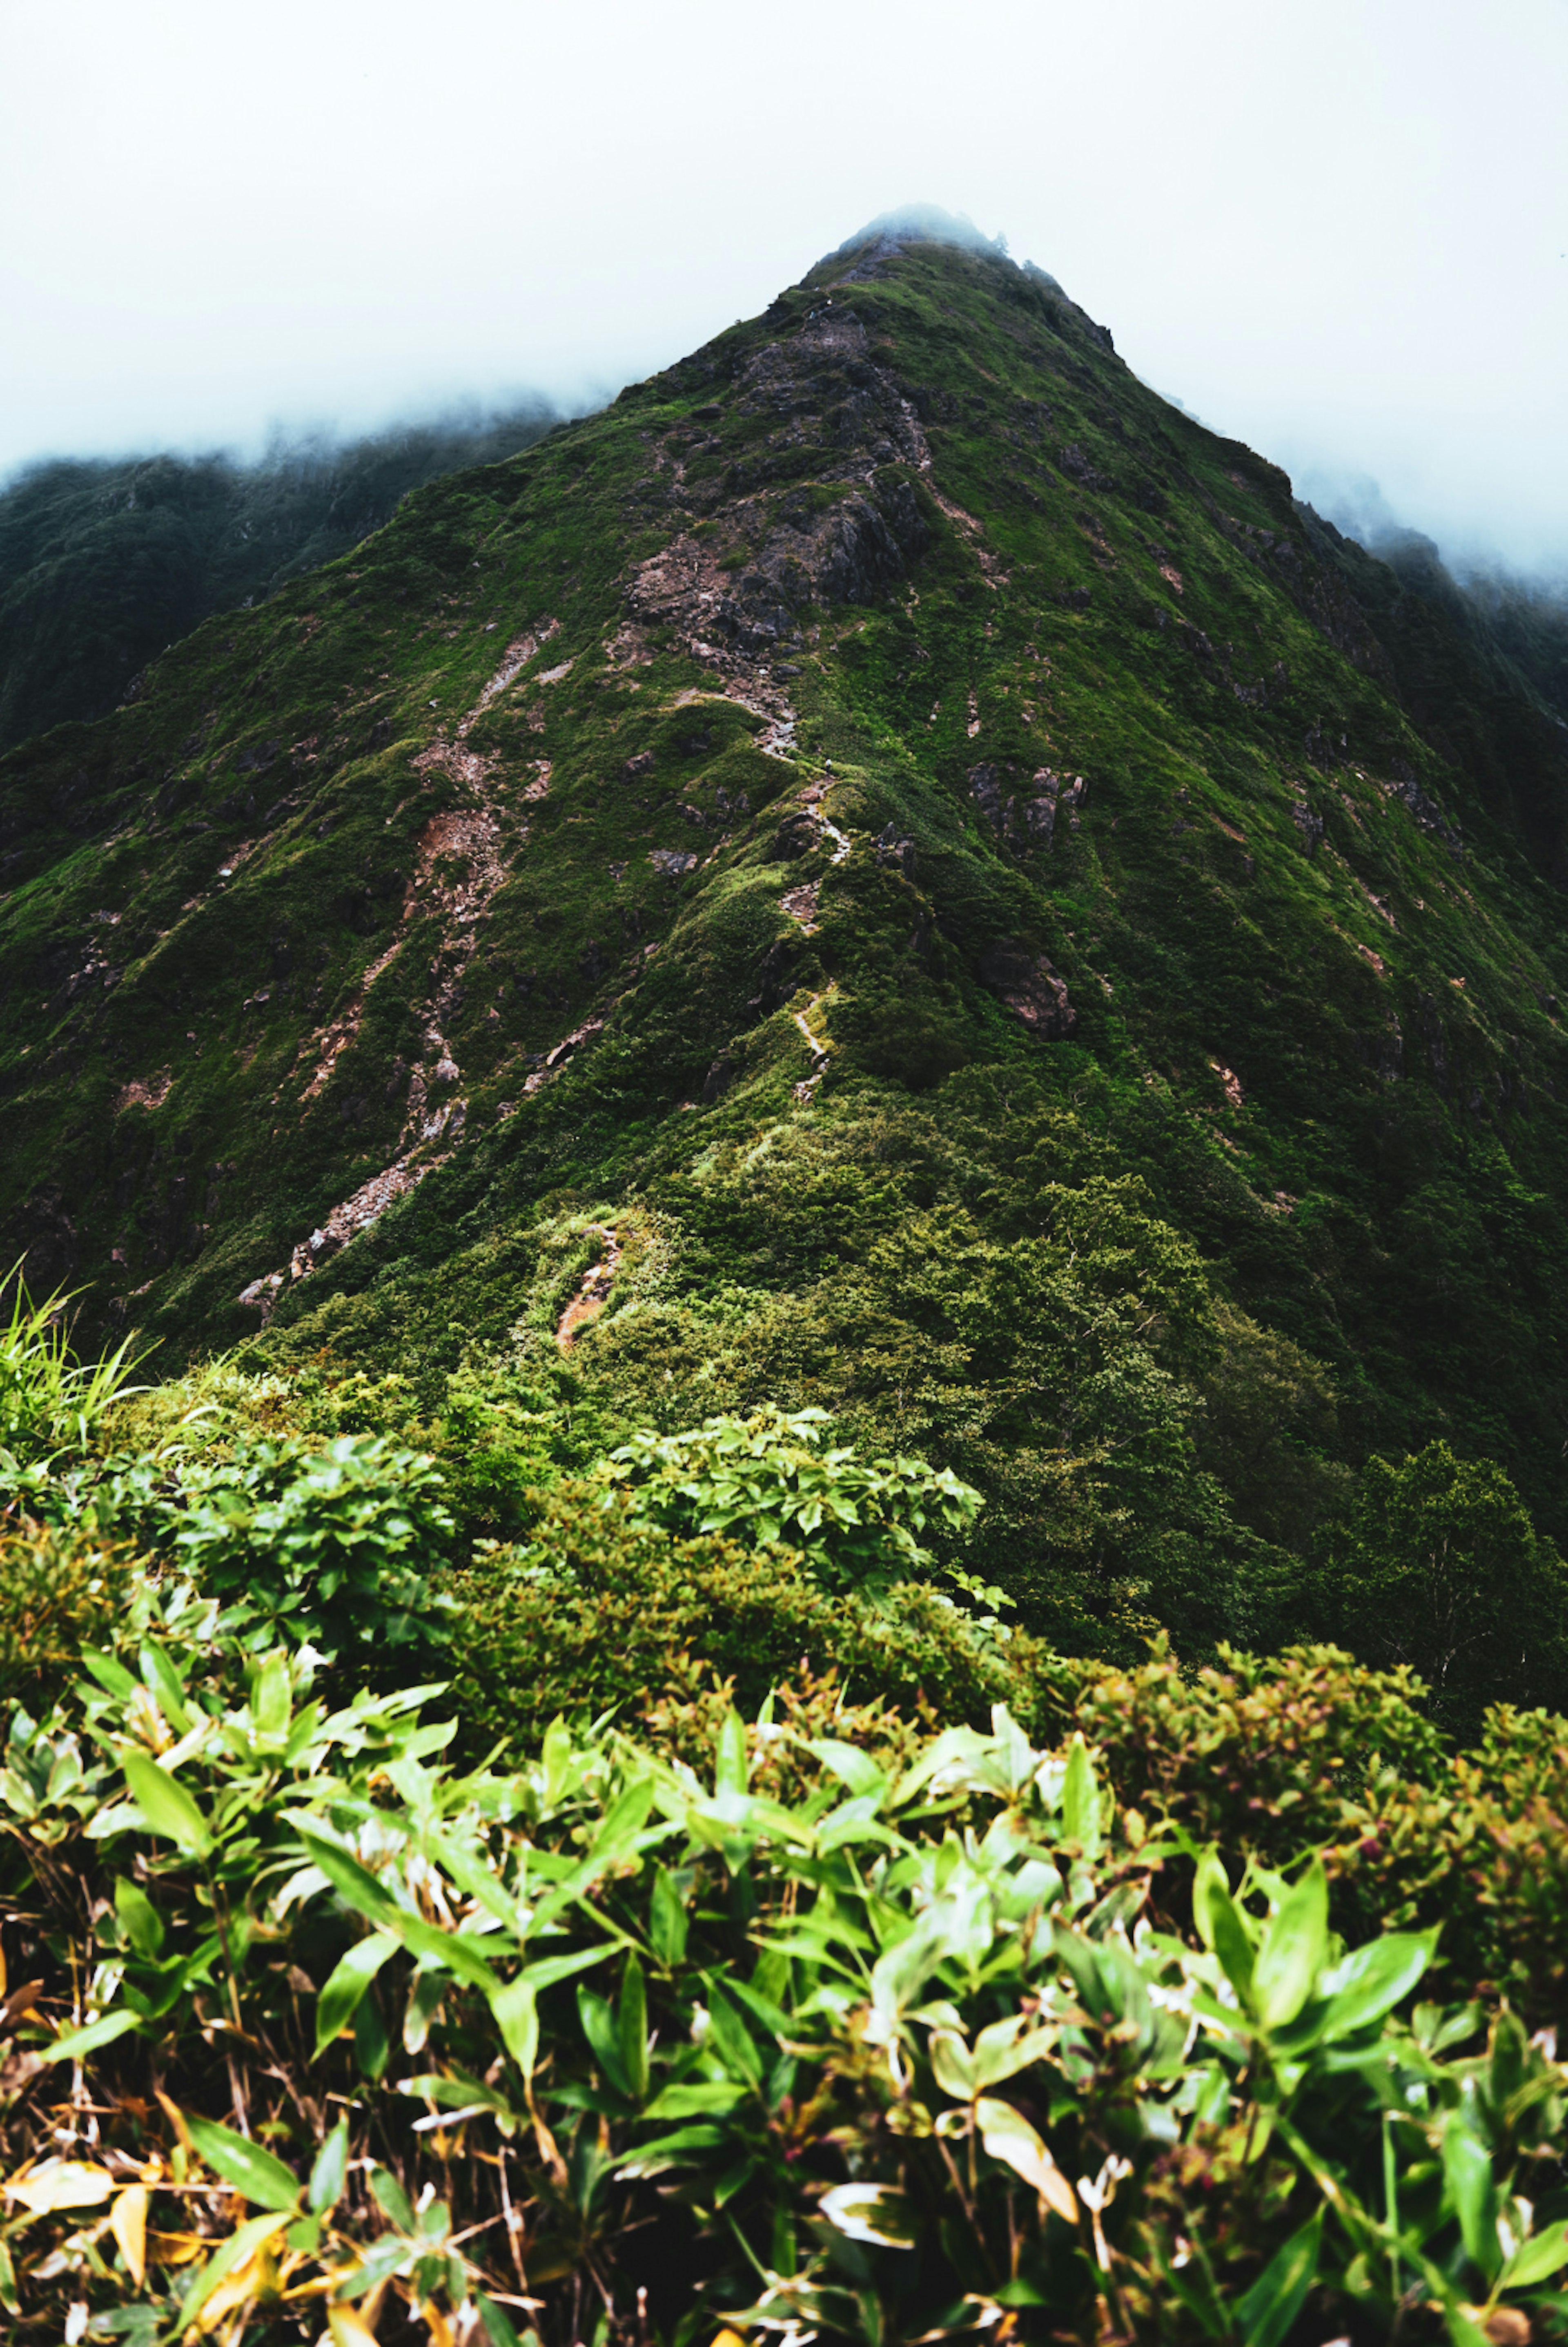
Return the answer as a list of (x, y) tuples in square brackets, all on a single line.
[(105, 561)]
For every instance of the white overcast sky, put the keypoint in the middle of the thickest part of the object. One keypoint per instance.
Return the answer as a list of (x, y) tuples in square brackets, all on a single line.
[(1335, 229)]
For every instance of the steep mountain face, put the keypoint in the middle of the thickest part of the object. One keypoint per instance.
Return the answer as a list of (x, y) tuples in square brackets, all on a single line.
[(891, 869), (102, 564)]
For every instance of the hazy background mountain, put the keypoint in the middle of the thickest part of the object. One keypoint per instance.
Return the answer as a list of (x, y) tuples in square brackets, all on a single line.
[(1336, 231), (105, 562)]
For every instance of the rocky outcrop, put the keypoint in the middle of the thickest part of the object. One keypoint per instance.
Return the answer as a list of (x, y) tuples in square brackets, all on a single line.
[(1025, 819), (1034, 992)]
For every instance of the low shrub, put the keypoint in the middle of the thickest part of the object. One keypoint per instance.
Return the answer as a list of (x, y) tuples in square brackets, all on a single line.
[(765, 1480), (604, 2040), (606, 1610), (336, 1543), (60, 1589), (337, 1539), (1279, 1754), (1271, 1753)]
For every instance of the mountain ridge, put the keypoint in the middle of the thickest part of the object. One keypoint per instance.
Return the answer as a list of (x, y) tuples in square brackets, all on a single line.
[(893, 865)]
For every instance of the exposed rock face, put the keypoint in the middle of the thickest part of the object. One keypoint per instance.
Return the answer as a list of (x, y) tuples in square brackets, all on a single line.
[(1032, 989), (1026, 820), (798, 835)]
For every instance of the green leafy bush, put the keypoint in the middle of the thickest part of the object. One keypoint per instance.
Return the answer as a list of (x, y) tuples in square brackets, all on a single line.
[(58, 1588), (1274, 1754), (337, 1542), (337, 1539), (918, 2051), (1308, 1749), (764, 1479), (607, 1609)]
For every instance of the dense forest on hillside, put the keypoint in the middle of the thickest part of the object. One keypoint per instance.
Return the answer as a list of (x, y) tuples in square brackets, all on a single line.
[(782, 1540), (103, 563)]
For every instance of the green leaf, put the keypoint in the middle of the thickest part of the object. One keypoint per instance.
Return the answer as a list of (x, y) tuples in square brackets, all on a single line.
[(1221, 1925), (547, 1970), (1372, 1981), (730, 1772), (676, 2150), (110, 1675), (371, 2045), (669, 1921), (1467, 2173), (273, 1702), (731, 2039), (102, 2032), (1536, 2260), (599, 2029), (1081, 1803), (392, 2199), (165, 1803), (369, 1899), (346, 1984), (237, 2251), (139, 1919), (516, 2014), (1008, 2047), (330, 2171), (498, 2328), (633, 2019), (1266, 2313), (870, 2212), (253, 2173), (702, 2098), (1294, 1948), (164, 1681), (953, 2066)]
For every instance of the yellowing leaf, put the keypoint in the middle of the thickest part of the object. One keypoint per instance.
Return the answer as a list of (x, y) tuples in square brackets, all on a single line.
[(1008, 2135), (440, 2330), (236, 2256), (61, 2184), (178, 2249), (349, 2329), (127, 2222)]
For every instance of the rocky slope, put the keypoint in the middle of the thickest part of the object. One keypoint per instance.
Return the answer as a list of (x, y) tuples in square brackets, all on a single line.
[(890, 868)]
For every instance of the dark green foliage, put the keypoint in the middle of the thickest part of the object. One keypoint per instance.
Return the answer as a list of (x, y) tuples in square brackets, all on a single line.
[(607, 1612), (337, 1541), (1132, 1082), (1439, 1568), (103, 565)]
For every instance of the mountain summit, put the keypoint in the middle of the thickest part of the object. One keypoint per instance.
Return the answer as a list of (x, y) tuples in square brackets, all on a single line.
[(890, 868)]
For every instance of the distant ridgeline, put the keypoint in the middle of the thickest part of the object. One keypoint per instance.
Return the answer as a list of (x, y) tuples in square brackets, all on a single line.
[(890, 870), (104, 564)]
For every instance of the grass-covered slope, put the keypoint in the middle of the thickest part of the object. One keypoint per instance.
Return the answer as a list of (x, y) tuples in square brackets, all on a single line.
[(890, 870), (104, 562)]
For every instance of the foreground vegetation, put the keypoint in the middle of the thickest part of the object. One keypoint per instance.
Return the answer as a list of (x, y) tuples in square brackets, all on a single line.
[(350, 1993)]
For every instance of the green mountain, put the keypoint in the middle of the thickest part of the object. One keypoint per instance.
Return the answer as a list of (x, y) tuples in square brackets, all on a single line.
[(890, 870), (104, 564)]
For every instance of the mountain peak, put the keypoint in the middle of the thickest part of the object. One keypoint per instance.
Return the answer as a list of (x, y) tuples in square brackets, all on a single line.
[(917, 224)]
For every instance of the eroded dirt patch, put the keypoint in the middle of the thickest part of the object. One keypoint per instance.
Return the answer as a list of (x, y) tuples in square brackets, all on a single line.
[(593, 1291)]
